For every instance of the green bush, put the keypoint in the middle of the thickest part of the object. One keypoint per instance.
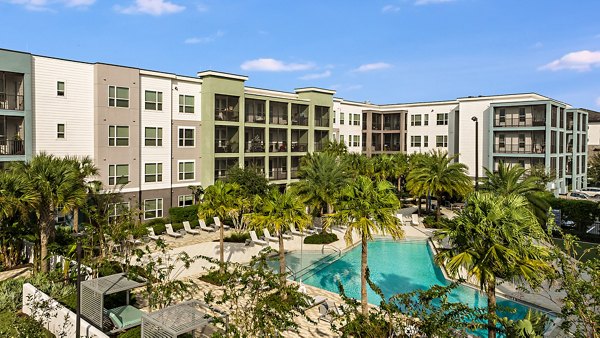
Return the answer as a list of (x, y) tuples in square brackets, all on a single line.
[(11, 291), (158, 224), (136, 332), (177, 226), (322, 238), (194, 223), (181, 214), (108, 268), (21, 325), (582, 212), (237, 237)]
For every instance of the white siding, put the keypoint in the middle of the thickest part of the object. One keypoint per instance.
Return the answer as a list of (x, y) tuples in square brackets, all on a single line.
[(75, 110), (186, 88), (432, 130), (348, 129)]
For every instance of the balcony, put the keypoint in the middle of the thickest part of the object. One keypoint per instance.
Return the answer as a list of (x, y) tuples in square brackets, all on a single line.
[(278, 174), (516, 148), (12, 147), (299, 114), (226, 139), (278, 113), (11, 91), (12, 102), (515, 121), (321, 116), (319, 146), (227, 108), (255, 111), (393, 147), (299, 147), (278, 147)]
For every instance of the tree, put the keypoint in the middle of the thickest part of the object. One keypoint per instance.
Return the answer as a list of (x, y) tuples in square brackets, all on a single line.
[(359, 164), (495, 238), (58, 183), (400, 168), (85, 168), (439, 175), (367, 206), (250, 180), (276, 212), (220, 199), (322, 176), (593, 172), (335, 148)]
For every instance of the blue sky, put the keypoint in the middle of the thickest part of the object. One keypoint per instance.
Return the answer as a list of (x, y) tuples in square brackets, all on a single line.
[(381, 51)]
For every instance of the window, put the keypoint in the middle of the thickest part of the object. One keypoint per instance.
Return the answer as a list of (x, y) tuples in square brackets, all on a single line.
[(415, 141), (356, 140), (441, 141), (334, 114), (186, 170), (521, 141), (60, 130), (356, 120), (425, 140), (153, 137), (442, 119), (186, 137), (415, 120), (185, 200), (118, 136), (118, 97), (501, 141), (118, 174), (502, 115), (521, 114), (341, 138), (60, 88), (153, 100), (341, 118), (153, 172), (117, 209), (153, 208), (186, 104), (426, 120)]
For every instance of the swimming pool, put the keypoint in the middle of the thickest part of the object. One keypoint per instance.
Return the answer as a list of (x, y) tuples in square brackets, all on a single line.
[(397, 267)]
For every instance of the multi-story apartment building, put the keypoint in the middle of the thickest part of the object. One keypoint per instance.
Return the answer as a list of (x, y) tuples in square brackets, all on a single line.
[(153, 134)]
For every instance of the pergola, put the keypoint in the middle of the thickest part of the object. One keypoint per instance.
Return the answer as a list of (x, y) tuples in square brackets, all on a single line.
[(174, 320), (92, 301)]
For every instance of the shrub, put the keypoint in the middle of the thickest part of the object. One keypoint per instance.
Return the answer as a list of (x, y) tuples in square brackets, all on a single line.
[(181, 214), (136, 332), (177, 226), (237, 237), (322, 238), (108, 268), (582, 212), (158, 224)]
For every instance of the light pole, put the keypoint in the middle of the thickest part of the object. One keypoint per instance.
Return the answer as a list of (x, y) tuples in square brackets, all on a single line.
[(77, 236), (476, 152)]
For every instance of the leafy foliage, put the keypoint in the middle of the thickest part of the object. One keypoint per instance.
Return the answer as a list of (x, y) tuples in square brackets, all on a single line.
[(593, 170), (321, 238), (251, 181), (181, 214), (237, 237)]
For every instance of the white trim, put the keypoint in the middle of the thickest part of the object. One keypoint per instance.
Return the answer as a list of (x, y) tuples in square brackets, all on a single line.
[(115, 98), (186, 127), (221, 74), (193, 172), (162, 207), (186, 184)]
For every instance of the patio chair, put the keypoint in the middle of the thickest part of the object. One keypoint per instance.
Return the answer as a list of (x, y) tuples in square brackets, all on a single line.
[(170, 231), (133, 240), (204, 227), (327, 310), (255, 239), (125, 317), (188, 228), (152, 235), (112, 246), (300, 233), (415, 220), (268, 236), (218, 223)]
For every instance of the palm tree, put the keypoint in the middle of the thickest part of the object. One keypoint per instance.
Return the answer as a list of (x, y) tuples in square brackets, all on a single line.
[(359, 164), (400, 168), (335, 148), (220, 199), (495, 237), (86, 169), (276, 212), (322, 176), (440, 174), (515, 180), (383, 167), (367, 207), (58, 184)]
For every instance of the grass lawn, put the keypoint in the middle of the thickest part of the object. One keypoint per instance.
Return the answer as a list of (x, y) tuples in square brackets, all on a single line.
[(583, 246)]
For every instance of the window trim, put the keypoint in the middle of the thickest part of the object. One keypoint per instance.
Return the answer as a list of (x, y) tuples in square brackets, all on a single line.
[(444, 120), (116, 99), (155, 139), (116, 138), (179, 139), (158, 102), (64, 132), (180, 200), (179, 179), (158, 172), (58, 90), (183, 106), (444, 142), (158, 211), (115, 178), (112, 207)]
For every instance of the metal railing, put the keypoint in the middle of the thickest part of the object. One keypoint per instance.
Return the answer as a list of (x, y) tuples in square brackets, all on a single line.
[(516, 121), (12, 102), (12, 147), (300, 120), (278, 174), (226, 147), (299, 147), (520, 148), (277, 146)]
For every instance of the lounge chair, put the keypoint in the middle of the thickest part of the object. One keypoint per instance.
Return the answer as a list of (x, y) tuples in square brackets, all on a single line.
[(170, 231), (415, 220), (188, 228), (152, 235), (327, 311), (133, 241), (255, 239), (204, 227), (112, 246), (300, 233), (124, 317), (272, 238), (218, 223)]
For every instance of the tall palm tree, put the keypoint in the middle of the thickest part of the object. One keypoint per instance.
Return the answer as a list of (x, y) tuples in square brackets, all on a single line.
[(322, 176), (516, 180), (359, 164), (59, 188), (383, 167), (276, 212), (495, 237), (400, 168), (335, 148), (440, 174), (367, 207), (221, 200), (86, 169)]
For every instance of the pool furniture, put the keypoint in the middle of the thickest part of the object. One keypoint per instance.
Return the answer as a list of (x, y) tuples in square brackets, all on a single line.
[(255, 239), (328, 310), (133, 241), (151, 234), (300, 233), (170, 231), (272, 238), (112, 246), (176, 320), (92, 303), (415, 220), (188, 228), (204, 227), (218, 223)]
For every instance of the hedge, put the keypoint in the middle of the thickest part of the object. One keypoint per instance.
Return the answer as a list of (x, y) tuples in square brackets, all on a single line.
[(237, 237), (181, 214), (322, 238), (582, 212)]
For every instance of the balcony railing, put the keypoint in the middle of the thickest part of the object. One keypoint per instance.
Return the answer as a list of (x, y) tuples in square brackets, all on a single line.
[(226, 147), (393, 147), (12, 147), (220, 174), (376, 147), (278, 174), (276, 146), (520, 148), (299, 147), (255, 147), (300, 120), (255, 118), (322, 122), (519, 122), (12, 102), (227, 115), (394, 126)]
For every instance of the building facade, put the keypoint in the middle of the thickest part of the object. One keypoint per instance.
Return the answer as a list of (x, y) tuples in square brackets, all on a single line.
[(154, 134)]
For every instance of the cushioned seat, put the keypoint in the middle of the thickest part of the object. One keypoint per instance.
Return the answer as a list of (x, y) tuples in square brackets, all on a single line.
[(125, 316)]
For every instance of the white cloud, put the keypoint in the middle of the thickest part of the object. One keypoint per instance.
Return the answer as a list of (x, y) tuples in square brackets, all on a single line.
[(204, 39), (581, 61), (152, 7), (315, 76), (272, 65), (431, 2), (45, 5), (372, 66), (390, 9)]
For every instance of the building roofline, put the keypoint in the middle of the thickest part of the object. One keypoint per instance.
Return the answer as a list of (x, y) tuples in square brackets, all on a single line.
[(222, 74), (314, 89)]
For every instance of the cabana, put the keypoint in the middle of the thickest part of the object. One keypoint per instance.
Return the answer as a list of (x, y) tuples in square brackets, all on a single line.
[(92, 302), (175, 320)]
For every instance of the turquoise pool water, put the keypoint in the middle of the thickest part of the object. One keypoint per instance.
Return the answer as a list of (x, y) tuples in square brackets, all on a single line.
[(397, 267)]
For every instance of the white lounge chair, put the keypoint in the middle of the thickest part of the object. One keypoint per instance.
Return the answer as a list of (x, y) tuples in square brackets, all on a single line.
[(327, 310), (300, 233), (255, 239), (218, 223), (188, 228), (133, 241), (415, 220), (401, 218), (152, 235), (272, 238), (170, 231), (204, 227)]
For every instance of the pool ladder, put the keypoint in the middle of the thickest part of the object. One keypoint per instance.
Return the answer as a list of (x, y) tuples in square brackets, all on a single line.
[(339, 252)]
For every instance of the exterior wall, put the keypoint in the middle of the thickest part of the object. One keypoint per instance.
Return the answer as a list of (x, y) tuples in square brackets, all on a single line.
[(75, 109), (348, 129), (432, 130)]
